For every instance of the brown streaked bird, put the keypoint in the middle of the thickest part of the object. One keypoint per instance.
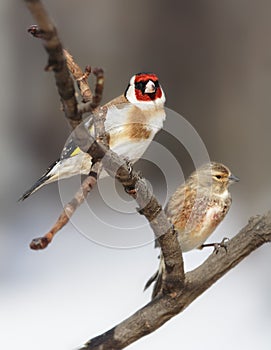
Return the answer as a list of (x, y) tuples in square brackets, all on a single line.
[(196, 208), (132, 120)]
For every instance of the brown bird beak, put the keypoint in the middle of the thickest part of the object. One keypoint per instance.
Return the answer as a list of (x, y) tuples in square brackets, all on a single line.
[(150, 87), (233, 178)]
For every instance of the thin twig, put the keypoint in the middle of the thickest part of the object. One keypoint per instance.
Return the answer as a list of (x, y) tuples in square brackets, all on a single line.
[(69, 209), (91, 106), (99, 86), (46, 31), (80, 77)]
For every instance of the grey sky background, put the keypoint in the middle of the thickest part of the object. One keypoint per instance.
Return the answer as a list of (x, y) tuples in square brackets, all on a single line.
[(214, 62)]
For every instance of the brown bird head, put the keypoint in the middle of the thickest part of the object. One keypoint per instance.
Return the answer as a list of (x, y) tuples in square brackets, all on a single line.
[(214, 175)]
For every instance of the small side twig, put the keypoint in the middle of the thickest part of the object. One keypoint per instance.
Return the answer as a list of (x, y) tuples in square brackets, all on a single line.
[(69, 209), (99, 86), (79, 76), (46, 31), (91, 106)]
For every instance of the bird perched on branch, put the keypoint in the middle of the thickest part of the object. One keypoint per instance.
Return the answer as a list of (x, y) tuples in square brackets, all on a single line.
[(132, 120), (196, 208)]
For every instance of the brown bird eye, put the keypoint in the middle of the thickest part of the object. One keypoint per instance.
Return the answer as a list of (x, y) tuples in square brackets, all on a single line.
[(218, 176)]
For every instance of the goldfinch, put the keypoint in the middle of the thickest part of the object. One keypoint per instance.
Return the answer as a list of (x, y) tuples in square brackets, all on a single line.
[(132, 121)]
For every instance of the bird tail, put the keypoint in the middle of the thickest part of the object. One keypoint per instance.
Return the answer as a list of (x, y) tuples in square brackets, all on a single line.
[(43, 180), (157, 279)]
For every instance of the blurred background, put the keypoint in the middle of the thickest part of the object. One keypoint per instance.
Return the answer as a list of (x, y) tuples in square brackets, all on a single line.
[(213, 59)]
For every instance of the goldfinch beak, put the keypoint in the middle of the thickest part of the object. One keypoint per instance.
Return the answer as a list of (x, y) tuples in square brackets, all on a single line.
[(150, 87)]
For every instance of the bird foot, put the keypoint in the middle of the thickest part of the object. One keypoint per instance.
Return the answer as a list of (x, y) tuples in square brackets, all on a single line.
[(217, 246)]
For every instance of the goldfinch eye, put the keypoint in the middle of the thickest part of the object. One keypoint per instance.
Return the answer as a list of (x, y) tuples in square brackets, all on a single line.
[(140, 85)]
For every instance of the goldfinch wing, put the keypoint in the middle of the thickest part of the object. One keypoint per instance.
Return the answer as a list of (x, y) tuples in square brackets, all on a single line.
[(71, 149)]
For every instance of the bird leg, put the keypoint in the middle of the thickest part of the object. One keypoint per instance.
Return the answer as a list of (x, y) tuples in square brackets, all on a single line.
[(129, 189), (217, 246)]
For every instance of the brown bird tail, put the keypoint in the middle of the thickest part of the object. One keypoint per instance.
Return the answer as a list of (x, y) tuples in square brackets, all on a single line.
[(157, 279)]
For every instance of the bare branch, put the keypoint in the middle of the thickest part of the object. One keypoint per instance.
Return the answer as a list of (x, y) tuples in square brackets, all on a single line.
[(164, 307)]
